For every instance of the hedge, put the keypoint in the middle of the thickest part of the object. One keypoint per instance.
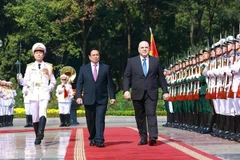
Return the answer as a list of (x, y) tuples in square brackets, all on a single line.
[(20, 113)]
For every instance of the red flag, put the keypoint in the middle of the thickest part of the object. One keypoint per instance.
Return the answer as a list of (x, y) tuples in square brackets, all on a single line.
[(153, 49)]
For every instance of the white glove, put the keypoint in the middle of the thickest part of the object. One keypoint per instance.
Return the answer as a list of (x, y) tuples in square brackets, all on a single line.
[(209, 73), (60, 90), (234, 68), (228, 71), (215, 72), (50, 87)]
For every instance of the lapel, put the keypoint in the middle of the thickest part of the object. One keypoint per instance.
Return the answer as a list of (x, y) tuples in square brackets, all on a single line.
[(100, 70), (150, 63), (139, 64), (89, 70)]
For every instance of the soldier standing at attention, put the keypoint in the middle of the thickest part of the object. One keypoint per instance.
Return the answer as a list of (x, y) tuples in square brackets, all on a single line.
[(205, 108), (236, 87), (27, 107), (40, 79), (64, 92)]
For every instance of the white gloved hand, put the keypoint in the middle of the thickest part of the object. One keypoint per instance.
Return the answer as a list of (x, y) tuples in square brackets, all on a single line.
[(60, 90), (234, 68), (19, 76)]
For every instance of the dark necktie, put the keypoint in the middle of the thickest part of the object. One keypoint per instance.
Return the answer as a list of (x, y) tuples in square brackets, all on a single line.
[(39, 66), (144, 67)]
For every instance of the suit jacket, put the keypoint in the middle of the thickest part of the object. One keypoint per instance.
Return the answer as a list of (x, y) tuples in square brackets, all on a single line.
[(134, 78), (95, 91)]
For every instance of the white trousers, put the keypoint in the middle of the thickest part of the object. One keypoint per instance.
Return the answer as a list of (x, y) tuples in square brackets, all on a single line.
[(1, 111), (170, 107), (230, 109), (216, 106), (222, 106), (64, 107), (38, 108), (236, 103), (9, 110), (27, 108)]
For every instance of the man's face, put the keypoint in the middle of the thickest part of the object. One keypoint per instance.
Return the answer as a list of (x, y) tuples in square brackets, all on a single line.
[(39, 55), (230, 46), (218, 51), (94, 56), (224, 49), (212, 53), (143, 49), (205, 55), (201, 57), (64, 81), (164, 73)]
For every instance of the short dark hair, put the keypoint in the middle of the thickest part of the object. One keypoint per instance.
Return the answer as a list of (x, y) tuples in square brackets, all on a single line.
[(92, 50)]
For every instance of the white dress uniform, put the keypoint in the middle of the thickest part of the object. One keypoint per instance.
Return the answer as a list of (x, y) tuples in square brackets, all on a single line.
[(41, 81)]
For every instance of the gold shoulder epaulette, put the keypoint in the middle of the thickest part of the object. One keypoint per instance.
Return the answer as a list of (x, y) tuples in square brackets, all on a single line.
[(49, 63), (30, 63)]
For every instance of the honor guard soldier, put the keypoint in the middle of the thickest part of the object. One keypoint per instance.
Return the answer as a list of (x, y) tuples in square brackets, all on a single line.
[(64, 93), (235, 68), (27, 107), (175, 101), (219, 86), (11, 93), (40, 79), (205, 108), (169, 105), (166, 103), (211, 90), (229, 108)]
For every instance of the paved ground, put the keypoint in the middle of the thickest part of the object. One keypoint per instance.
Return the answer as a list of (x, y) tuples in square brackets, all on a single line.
[(12, 146)]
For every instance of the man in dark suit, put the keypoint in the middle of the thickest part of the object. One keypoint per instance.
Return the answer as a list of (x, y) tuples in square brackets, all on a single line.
[(94, 81), (144, 75)]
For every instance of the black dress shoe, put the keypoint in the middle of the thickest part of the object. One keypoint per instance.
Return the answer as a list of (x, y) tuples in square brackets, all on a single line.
[(37, 141), (152, 142), (92, 143), (100, 145), (142, 142)]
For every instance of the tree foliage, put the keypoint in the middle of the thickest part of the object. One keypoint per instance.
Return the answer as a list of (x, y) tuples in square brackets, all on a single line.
[(71, 28)]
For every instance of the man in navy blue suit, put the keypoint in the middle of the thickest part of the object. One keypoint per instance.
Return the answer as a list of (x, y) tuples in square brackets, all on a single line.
[(144, 75), (94, 84)]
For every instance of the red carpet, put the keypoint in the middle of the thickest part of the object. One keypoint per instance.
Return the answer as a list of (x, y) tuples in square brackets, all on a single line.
[(71, 145), (121, 143)]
